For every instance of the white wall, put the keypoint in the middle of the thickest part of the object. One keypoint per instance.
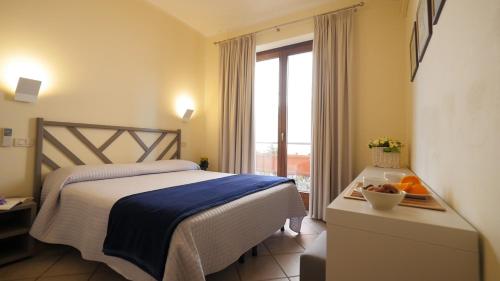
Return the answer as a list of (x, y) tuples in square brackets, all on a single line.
[(456, 117)]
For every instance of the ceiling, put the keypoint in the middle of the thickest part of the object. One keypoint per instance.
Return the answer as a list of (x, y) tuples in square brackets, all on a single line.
[(211, 17)]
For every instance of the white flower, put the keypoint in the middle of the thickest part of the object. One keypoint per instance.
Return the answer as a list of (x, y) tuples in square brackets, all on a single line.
[(385, 142)]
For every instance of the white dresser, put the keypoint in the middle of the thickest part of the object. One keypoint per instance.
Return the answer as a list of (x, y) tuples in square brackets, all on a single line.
[(403, 244)]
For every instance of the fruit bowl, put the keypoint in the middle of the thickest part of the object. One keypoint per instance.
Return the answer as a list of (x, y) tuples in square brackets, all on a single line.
[(381, 200)]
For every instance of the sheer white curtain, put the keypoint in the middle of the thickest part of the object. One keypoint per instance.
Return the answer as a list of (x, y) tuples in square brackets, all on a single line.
[(237, 68), (331, 150)]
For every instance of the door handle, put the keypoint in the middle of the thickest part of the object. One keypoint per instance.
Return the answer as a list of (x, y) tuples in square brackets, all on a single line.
[(282, 136)]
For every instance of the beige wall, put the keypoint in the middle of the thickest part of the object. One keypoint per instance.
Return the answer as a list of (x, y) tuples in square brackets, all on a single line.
[(121, 62), (456, 117), (378, 77)]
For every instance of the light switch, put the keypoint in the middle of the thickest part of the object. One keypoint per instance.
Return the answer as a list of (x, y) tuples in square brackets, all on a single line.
[(23, 142)]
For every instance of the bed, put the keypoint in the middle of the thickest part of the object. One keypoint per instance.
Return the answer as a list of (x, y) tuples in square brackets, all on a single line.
[(76, 201)]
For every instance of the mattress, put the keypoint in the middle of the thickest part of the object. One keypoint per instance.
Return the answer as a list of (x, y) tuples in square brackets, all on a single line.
[(77, 201)]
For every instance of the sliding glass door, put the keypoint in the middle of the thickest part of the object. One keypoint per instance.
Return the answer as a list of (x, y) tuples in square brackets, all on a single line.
[(283, 112)]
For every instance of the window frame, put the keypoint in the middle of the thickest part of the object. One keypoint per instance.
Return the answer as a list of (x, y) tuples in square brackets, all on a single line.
[(282, 53)]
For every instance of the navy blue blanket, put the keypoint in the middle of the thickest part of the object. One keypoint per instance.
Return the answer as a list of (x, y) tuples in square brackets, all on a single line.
[(141, 225)]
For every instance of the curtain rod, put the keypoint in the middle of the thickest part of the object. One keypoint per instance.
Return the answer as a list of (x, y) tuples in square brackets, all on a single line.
[(277, 27)]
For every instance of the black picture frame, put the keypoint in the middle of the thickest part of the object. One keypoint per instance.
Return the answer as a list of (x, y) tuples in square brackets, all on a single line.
[(437, 8), (424, 27), (413, 53)]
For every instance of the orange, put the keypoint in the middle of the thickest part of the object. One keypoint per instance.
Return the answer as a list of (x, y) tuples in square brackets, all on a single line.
[(412, 184), (403, 186), (411, 180), (418, 189)]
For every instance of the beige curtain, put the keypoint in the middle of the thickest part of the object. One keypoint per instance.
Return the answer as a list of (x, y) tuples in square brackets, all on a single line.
[(331, 149), (237, 68)]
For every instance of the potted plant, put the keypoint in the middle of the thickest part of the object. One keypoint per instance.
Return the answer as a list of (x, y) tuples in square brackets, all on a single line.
[(204, 163), (385, 152)]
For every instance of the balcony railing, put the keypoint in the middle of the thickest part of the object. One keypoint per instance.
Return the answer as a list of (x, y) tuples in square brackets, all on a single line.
[(298, 161)]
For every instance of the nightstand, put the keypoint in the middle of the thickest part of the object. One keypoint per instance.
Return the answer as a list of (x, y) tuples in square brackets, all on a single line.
[(15, 241)]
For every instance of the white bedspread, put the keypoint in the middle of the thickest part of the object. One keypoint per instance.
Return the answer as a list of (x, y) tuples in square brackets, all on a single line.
[(77, 201)]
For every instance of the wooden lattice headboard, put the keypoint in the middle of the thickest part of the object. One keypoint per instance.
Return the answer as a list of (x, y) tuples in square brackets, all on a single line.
[(41, 159)]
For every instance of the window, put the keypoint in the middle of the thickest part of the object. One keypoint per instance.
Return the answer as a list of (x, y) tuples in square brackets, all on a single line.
[(283, 92)]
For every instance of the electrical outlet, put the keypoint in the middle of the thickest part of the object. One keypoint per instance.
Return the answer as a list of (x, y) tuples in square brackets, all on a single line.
[(183, 144), (23, 142)]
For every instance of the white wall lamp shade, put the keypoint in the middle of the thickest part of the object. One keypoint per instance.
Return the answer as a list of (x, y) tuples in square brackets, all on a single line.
[(27, 90), (187, 115)]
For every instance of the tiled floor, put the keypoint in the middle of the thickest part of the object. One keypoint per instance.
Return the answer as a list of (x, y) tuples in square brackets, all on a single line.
[(278, 259)]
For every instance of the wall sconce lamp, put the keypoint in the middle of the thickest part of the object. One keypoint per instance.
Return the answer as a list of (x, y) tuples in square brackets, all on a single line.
[(27, 90), (184, 107), (187, 115)]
